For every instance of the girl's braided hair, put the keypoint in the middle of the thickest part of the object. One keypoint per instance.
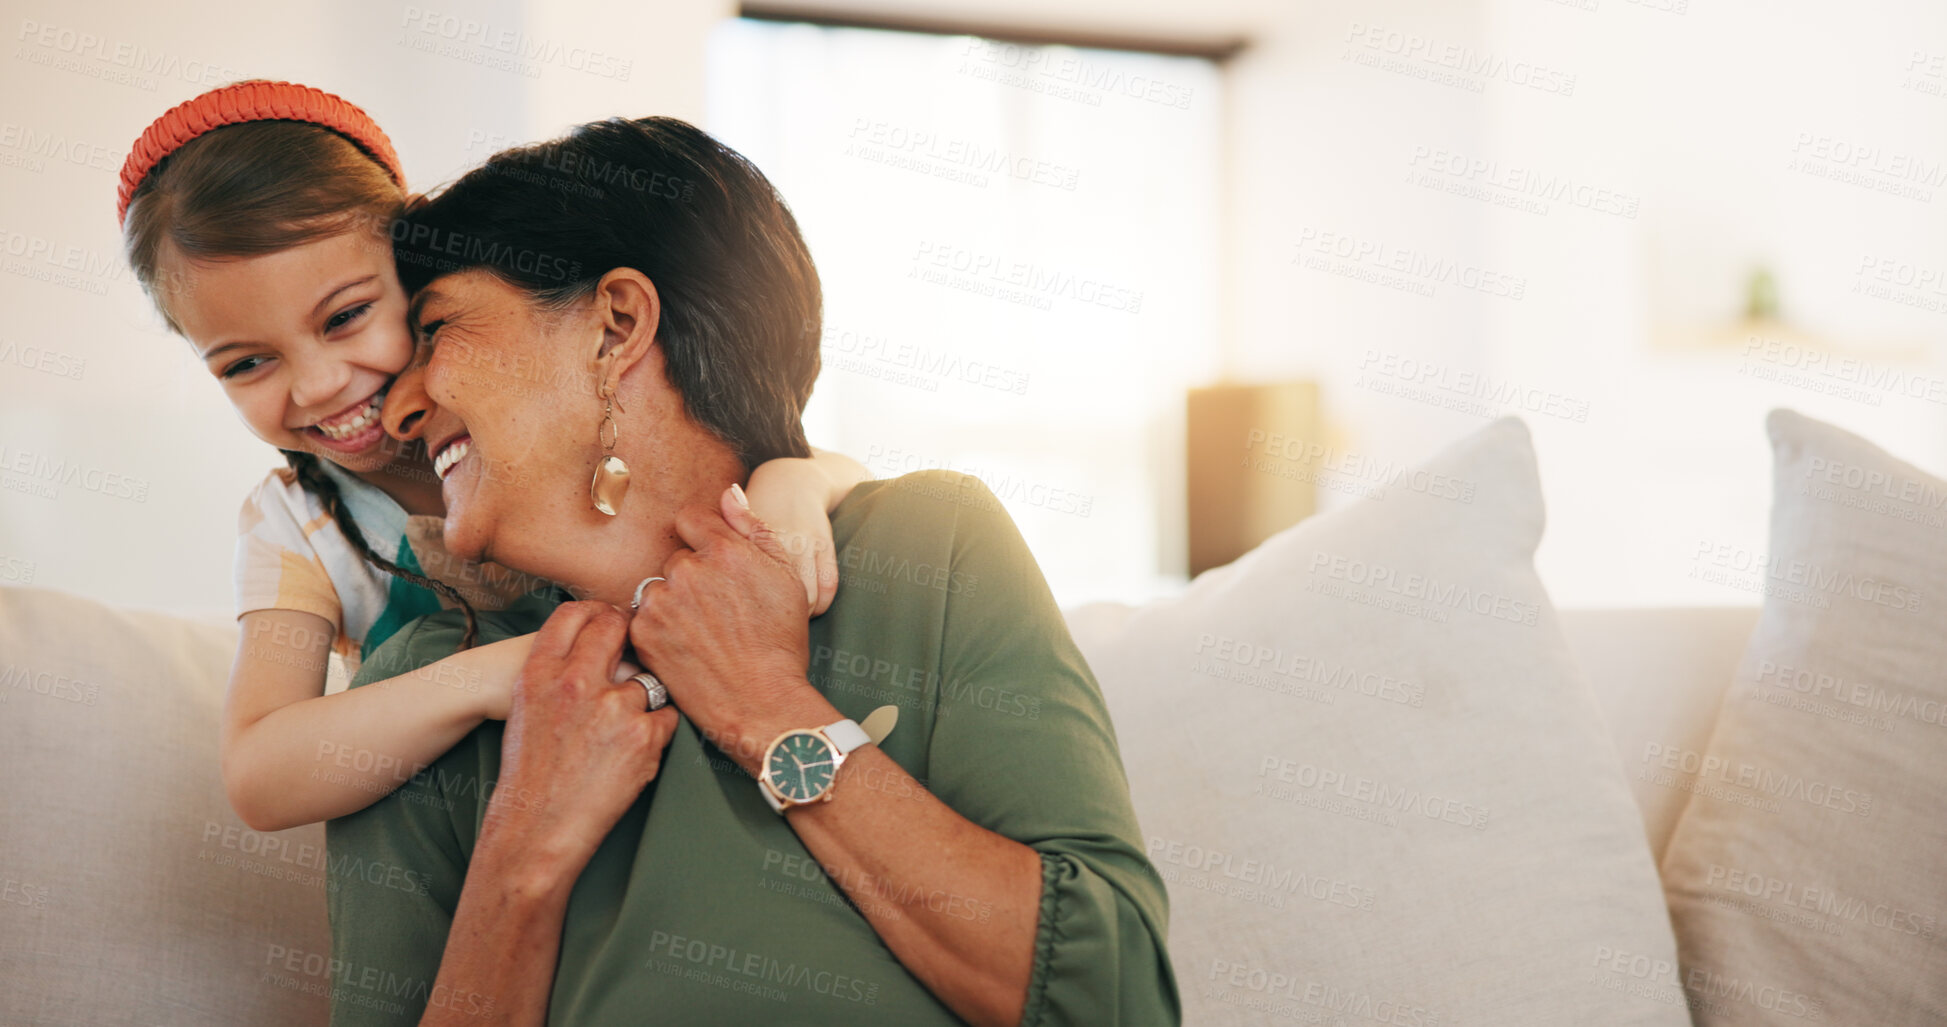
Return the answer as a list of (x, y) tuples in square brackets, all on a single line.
[(314, 480)]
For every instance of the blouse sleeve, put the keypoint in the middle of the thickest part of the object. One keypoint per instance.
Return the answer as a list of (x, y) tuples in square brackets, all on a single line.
[(1022, 745), (397, 866)]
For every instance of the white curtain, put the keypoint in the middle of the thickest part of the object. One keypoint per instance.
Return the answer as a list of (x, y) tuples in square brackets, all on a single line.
[(1019, 250)]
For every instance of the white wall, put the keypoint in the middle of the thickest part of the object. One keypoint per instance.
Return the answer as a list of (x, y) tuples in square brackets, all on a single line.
[(1712, 120), (1708, 120), (89, 379)]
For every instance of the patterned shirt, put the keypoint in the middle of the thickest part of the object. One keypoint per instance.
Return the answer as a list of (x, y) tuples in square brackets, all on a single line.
[(291, 555)]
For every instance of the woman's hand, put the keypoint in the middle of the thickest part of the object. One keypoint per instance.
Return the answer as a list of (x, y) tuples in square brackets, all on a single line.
[(578, 748), (726, 631), (501, 664), (576, 753)]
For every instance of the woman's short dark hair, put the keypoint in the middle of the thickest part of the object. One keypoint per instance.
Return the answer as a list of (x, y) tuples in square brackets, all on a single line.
[(741, 305)]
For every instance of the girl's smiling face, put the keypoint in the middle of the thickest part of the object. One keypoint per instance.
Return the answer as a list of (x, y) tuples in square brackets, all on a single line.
[(304, 341)]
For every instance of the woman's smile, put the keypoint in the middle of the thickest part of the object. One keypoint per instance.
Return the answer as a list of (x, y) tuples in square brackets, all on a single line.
[(451, 453)]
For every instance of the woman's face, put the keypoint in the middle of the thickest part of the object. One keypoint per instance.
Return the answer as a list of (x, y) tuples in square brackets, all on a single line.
[(505, 403), (304, 341)]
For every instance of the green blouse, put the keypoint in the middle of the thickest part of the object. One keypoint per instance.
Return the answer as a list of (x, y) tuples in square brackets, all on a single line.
[(702, 906)]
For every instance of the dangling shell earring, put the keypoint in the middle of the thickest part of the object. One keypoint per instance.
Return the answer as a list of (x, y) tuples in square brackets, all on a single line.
[(611, 483)]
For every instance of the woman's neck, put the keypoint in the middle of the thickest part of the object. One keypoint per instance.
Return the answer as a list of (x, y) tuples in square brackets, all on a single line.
[(607, 562)]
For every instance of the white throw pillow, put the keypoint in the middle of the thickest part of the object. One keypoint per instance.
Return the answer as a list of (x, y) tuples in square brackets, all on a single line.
[(1375, 780), (1808, 873)]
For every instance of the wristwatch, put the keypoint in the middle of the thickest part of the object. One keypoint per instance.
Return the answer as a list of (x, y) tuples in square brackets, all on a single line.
[(800, 765)]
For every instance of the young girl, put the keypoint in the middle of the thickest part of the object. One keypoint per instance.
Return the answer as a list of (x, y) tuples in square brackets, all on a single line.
[(258, 218)]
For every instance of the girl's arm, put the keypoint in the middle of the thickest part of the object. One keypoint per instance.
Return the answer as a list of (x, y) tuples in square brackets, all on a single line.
[(293, 755), (796, 496)]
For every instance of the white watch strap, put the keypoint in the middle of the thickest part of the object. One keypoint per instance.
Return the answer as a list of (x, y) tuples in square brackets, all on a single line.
[(846, 735), (880, 723)]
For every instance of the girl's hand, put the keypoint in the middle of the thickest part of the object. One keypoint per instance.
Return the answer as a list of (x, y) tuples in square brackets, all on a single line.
[(795, 497), (790, 495)]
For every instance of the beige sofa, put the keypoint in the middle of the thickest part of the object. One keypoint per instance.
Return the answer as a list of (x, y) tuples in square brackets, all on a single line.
[(130, 893)]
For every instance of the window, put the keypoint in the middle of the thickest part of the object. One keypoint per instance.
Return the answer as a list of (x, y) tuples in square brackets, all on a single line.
[(1020, 254)]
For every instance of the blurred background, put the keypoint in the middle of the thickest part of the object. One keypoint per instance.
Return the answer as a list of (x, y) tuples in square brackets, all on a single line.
[(1165, 276)]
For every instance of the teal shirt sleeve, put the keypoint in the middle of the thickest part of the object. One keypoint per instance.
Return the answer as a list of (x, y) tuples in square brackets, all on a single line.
[(405, 602), (1022, 745)]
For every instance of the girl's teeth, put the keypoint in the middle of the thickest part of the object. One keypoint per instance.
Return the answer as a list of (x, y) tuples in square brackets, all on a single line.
[(359, 422)]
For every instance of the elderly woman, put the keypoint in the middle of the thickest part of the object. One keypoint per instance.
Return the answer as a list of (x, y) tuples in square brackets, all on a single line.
[(634, 303)]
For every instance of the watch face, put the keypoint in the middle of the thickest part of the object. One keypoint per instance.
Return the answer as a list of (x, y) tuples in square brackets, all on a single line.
[(800, 766)]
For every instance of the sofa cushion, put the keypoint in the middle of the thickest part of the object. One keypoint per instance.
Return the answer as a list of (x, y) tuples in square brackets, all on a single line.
[(1659, 675), (1805, 875), (1376, 782), (132, 893)]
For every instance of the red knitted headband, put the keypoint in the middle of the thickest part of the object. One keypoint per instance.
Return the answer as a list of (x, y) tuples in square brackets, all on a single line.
[(256, 100)]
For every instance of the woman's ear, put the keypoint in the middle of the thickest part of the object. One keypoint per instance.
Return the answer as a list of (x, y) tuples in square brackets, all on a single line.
[(628, 311)]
